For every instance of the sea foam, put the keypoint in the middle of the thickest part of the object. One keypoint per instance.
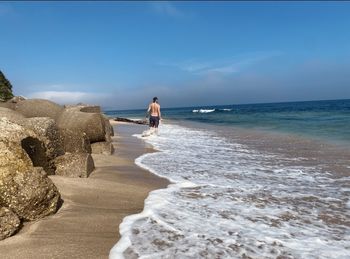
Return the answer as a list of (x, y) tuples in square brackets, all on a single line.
[(228, 200)]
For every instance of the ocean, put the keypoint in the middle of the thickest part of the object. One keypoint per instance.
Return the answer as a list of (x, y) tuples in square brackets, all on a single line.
[(248, 181)]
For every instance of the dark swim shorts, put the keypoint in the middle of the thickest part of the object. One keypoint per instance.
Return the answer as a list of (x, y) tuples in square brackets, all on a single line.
[(154, 121)]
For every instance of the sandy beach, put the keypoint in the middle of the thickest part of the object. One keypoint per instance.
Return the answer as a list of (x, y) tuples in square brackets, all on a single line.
[(87, 224)]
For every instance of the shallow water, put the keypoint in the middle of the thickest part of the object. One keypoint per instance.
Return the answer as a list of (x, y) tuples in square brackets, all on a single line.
[(241, 194), (320, 120)]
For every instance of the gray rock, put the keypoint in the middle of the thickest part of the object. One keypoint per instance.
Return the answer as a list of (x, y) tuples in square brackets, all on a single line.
[(7, 105), (74, 165), (39, 108), (108, 128), (75, 141), (11, 114), (91, 124), (9, 223), (103, 147), (84, 108), (49, 146), (30, 194), (24, 189)]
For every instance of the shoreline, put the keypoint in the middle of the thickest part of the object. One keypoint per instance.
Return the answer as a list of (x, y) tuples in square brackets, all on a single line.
[(87, 224)]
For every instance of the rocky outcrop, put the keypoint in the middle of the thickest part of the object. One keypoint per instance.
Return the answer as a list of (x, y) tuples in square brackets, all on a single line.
[(24, 189), (74, 165), (10, 114), (39, 108), (5, 88), (48, 146), (30, 194), (75, 141), (9, 223), (89, 123), (88, 120), (103, 147), (11, 104), (108, 129), (142, 122), (37, 138), (84, 108)]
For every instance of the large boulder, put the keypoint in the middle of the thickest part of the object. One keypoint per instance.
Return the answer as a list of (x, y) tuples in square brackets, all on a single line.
[(74, 165), (39, 108), (108, 128), (10, 114), (30, 194), (49, 142), (24, 189), (91, 124), (11, 104), (84, 108), (102, 147), (75, 141), (7, 105), (9, 223)]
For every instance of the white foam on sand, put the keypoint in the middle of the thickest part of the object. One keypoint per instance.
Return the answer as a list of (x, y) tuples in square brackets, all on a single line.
[(230, 201)]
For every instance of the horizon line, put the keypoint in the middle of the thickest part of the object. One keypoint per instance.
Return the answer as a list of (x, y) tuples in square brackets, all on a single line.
[(207, 106)]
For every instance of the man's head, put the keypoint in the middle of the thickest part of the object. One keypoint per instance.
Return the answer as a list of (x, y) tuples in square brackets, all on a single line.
[(155, 99)]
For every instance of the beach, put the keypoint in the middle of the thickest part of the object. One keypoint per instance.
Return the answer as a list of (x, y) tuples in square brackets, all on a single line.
[(87, 224), (257, 181)]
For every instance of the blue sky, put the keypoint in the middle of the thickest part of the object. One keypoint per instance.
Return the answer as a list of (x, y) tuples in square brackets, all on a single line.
[(121, 54)]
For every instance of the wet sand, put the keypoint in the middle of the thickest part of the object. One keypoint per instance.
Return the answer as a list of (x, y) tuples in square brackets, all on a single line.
[(87, 224)]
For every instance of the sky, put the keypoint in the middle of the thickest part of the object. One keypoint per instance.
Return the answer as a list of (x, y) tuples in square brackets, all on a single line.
[(121, 54)]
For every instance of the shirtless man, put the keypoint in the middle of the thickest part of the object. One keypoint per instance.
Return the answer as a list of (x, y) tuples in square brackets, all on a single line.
[(154, 111)]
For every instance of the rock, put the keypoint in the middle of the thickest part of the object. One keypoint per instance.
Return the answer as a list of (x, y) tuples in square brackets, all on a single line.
[(142, 122), (84, 108), (24, 189), (39, 108), (102, 147), (75, 141), (108, 128), (30, 194), (9, 223), (11, 114), (74, 165), (49, 146), (91, 109), (7, 105), (11, 104), (17, 99), (91, 124)]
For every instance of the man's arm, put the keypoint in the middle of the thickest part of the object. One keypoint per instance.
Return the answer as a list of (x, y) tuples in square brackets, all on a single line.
[(160, 116), (148, 111)]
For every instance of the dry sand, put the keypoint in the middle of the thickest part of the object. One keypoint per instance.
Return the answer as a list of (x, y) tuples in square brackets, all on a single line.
[(87, 225)]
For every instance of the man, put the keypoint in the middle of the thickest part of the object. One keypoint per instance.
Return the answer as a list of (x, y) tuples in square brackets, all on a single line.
[(155, 116)]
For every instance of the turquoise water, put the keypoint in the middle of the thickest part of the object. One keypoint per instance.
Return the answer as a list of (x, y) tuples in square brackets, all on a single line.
[(317, 119)]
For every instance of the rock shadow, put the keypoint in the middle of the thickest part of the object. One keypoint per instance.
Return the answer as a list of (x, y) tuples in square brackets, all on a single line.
[(37, 152)]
